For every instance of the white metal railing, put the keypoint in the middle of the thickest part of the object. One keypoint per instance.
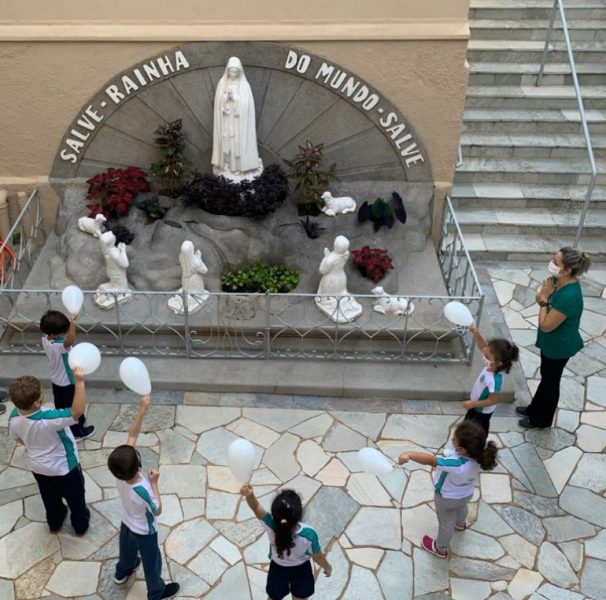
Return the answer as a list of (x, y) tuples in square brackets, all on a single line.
[(558, 7), (19, 249), (264, 325)]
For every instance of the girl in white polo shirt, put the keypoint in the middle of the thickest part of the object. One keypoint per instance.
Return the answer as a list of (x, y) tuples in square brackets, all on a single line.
[(292, 545), (454, 479)]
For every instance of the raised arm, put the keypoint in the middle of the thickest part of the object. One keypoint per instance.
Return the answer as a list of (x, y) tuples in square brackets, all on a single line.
[(70, 338), (479, 340), (247, 491), (79, 403), (135, 428), (423, 458)]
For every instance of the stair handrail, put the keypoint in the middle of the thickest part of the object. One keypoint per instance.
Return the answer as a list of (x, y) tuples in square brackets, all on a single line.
[(558, 6)]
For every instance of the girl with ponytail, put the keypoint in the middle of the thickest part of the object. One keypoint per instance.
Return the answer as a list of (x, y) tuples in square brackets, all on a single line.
[(292, 544), (560, 301), (454, 478)]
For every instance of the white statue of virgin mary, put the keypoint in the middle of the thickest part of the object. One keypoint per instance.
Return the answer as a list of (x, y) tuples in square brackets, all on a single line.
[(235, 154)]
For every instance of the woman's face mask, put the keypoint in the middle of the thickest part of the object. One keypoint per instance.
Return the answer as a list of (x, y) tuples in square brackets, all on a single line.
[(553, 269)]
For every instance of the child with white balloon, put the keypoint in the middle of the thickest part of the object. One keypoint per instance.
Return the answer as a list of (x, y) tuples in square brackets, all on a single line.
[(498, 355), (58, 339), (141, 505), (292, 543), (454, 480), (52, 450)]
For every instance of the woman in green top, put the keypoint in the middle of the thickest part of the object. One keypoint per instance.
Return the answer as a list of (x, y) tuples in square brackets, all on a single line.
[(561, 303)]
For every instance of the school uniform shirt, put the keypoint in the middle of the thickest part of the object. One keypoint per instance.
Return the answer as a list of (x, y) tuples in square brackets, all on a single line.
[(56, 352), (454, 476), (48, 439), (487, 383), (305, 539), (139, 506)]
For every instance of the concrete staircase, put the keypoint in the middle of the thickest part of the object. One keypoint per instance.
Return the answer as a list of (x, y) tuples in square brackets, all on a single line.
[(519, 192)]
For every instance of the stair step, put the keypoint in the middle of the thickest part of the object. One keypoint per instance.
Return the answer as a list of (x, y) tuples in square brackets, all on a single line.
[(486, 145), (531, 97), (515, 195), (508, 73), (510, 122), (531, 29), (531, 51), (507, 10), (530, 220), (527, 247), (528, 170)]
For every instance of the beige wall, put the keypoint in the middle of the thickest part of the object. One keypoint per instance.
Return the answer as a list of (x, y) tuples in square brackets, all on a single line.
[(47, 82)]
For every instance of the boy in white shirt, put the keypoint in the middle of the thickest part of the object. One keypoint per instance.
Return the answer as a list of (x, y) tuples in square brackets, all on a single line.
[(141, 504), (51, 449), (59, 336)]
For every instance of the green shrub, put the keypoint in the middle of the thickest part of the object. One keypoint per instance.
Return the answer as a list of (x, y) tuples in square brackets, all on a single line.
[(260, 278)]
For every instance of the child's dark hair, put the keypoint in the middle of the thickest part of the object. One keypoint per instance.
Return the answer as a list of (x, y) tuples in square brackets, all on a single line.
[(124, 462), (505, 352), (54, 322), (471, 437), (287, 511), (24, 391)]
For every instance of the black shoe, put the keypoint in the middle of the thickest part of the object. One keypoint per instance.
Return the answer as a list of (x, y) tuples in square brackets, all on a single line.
[(57, 529), (528, 425), (170, 590), (86, 433), (522, 410), (2, 409), (3, 396)]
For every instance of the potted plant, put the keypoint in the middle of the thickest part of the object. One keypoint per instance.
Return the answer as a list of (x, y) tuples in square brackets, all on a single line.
[(256, 279), (170, 169), (372, 262), (114, 191), (383, 213), (310, 179)]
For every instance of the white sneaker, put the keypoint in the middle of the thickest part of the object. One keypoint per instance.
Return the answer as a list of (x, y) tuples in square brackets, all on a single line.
[(124, 579)]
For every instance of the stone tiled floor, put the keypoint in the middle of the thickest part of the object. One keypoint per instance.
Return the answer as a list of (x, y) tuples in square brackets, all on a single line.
[(539, 519)]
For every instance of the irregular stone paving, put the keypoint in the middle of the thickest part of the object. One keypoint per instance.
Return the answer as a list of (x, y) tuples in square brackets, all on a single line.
[(538, 519)]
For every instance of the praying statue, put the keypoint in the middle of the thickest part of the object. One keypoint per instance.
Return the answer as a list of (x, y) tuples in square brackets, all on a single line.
[(116, 263), (192, 281), (333, 298), (235, 155)]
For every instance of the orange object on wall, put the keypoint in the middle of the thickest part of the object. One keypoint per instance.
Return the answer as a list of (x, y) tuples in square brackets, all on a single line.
[(6, 257)]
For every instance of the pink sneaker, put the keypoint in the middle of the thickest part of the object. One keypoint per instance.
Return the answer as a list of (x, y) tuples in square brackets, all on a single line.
[(429, 544)]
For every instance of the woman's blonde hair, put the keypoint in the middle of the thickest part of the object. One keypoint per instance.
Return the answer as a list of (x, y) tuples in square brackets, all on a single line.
[(576, 260)]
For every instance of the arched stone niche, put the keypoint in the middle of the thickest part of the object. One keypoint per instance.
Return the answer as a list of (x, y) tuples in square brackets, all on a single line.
[(298, 96)]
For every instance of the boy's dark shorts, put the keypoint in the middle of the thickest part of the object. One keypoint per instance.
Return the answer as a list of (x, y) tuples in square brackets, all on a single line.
[(298, 581)]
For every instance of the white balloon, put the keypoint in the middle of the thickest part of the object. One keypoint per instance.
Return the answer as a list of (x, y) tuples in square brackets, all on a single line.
[(241, 459), (86, 356), (73, 299), (135, 376), (458, 314), (373, 462)]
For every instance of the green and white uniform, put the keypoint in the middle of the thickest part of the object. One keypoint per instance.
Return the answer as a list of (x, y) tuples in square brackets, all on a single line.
[(305, 541), (48, 439)]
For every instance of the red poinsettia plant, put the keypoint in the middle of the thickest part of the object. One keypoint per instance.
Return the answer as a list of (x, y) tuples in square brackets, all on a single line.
[(372, 262), (113, 192)]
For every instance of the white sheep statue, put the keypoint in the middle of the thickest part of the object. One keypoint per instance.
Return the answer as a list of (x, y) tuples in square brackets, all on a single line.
[(337, 206), (93, 226), (391, 305)]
